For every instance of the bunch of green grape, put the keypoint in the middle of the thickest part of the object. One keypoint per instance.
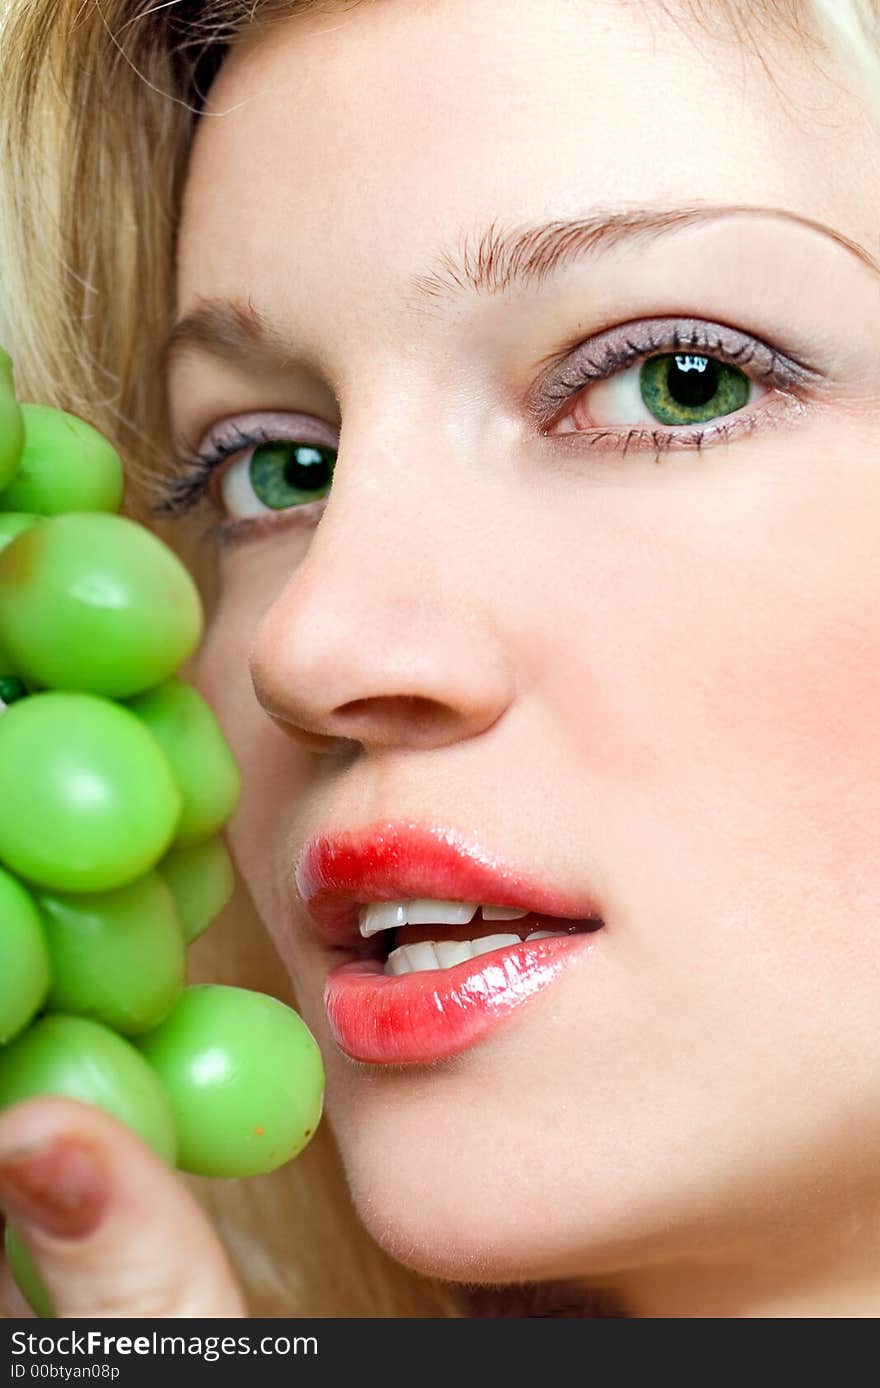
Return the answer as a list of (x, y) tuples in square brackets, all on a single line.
[(115, 781)]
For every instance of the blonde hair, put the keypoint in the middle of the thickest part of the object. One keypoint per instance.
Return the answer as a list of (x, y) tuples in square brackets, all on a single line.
[(98, 105)]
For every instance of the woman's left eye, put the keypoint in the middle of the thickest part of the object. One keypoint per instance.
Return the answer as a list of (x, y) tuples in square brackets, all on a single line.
[(616, 388), (677, 389)]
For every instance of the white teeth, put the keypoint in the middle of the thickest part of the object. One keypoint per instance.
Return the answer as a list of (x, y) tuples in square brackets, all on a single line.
[(490, 942), (398, 962), (412, 959), (422, 956), (424, 910), (381, 915), (444, 954), (451, 952)]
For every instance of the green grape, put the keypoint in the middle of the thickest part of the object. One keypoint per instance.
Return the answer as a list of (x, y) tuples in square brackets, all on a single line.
[(118, 957), (24, 958), (11, 423), (201, 879), (66, 465), (87, 799), (26, 1274), (12, 523), (96, 603), (245, 1078), (81, 1059), (204, 768)]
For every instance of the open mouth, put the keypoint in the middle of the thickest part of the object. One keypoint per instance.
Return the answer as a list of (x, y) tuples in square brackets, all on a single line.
[(422, 990), (436, 937), (424, 937)]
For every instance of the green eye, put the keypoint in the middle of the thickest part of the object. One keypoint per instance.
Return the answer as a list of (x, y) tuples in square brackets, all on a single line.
[(277, 476), (684, 388), (290, 474)]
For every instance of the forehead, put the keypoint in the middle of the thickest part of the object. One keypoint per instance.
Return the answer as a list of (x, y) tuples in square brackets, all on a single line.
[(344, 147)]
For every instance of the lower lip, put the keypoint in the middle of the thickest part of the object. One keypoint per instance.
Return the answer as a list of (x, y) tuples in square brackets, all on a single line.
[(416, 1018)]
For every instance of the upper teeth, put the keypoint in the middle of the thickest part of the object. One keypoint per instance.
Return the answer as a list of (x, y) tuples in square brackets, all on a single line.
[(424, 910)]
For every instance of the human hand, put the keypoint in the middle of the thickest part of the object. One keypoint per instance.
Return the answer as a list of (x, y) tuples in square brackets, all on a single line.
[(111, 1229)]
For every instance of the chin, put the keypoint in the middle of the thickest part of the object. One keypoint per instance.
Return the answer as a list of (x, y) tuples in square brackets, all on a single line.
[(437, 1242), (454, 1225)]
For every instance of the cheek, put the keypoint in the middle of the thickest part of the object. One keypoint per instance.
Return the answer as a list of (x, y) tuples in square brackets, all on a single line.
[(720, 704), (272, 779), (275, 789)]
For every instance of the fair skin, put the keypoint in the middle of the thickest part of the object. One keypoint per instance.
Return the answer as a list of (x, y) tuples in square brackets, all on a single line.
[(658, 682)]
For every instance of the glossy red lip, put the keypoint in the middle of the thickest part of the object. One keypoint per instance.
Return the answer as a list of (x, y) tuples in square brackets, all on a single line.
[(417, 1018), (336, 873)]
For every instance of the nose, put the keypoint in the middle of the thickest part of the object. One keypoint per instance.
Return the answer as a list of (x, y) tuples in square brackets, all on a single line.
[(387, 633)]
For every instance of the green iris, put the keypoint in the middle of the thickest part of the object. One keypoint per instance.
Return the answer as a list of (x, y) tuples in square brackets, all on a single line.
[(682, 388), (290, 474)]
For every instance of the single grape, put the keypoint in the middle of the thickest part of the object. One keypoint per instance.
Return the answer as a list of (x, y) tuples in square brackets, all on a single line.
[(66, 465), (96, 603), (81, 1059), (11, 423), (26, 1274), (204, 768), (118, 957), (87, 799), (24, 958), (245, 1078), (201, 880), (12, 523)]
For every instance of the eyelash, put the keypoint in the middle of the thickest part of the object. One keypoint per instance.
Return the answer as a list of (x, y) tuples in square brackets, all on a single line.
[(197, 470)]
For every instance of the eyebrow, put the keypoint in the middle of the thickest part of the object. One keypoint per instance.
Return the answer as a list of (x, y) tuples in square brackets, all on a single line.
[(490, 263)]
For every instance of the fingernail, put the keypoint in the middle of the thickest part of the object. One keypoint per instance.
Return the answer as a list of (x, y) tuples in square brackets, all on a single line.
[(60, 1188)]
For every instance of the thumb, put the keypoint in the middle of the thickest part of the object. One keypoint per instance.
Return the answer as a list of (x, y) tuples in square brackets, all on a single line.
[(111, 1230)]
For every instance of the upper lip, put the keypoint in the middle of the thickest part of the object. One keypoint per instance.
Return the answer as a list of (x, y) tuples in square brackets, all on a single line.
[(337, 873)]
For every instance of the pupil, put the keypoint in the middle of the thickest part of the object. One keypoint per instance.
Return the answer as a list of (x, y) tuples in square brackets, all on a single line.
[(692, 380), (306, 469)]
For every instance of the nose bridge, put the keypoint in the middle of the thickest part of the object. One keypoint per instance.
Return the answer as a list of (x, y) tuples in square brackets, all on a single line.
[(384, 616), (373, 561), (385, 450), (391, 510)]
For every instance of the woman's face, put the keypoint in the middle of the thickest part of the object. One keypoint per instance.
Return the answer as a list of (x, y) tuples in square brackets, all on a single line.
[(638, 670)]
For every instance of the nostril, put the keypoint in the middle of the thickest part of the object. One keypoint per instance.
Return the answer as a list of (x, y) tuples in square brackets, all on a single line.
[(397, 718), (312, 741)]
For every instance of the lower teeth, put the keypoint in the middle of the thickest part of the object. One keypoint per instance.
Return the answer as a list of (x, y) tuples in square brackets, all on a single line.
[(444, 954)]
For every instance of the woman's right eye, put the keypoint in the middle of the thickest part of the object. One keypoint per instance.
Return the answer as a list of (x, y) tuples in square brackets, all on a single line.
[(276, 476)]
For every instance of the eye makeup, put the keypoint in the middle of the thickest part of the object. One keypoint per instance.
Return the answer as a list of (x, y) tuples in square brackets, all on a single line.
[(621, 347), (598, 359)]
